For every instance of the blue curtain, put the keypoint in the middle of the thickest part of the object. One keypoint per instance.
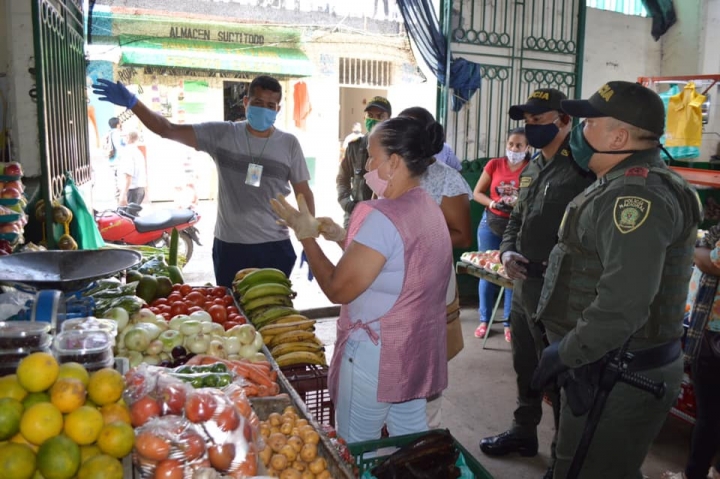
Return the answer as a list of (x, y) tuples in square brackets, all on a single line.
[(423, 26)]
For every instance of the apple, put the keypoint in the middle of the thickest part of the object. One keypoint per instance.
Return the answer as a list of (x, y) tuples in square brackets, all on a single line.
[(13, 169), (9, 192), (14, 184)]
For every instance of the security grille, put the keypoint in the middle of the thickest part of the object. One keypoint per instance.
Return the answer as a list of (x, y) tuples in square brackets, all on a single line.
[(359, 72)]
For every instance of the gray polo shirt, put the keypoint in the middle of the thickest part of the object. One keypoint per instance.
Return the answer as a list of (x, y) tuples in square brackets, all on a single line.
[(244, 213)]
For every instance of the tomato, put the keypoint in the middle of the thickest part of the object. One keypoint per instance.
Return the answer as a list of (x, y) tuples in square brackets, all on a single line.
[(166, 316), (218, 313), (154, 310), (176, 287), (219, 291), (200, 406), (227, 419), (178, 307), (207, 305), (192, 446), (232, 309), (219, 301), (196, 298), (192, 309), (228, 300), (221, 456), (174, 297), (165, 308), (185, 289), (152, 446), (160, 301), (229, 324), (142, 410), (170, 469), (172, 398)]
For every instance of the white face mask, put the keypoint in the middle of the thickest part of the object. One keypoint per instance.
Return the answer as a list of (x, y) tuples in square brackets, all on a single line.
[(515, 157)]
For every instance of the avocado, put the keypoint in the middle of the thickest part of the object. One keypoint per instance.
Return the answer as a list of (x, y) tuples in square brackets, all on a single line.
[(164, 287), (132, 275), (147, 288)]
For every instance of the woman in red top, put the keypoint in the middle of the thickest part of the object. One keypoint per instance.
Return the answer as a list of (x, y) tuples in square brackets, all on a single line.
[(501, 177)]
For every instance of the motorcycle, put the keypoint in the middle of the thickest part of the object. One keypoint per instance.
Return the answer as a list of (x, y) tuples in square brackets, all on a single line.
[(124, 226)]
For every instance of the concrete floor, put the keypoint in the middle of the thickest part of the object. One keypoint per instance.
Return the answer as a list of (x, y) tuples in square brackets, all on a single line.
[(481, 394)]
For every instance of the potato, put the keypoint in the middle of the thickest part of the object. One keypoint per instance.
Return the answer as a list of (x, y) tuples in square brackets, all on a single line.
[(290, 409), (311, 437), (299, 466), (264, 429), (290, 474), (266, 454), (276, 441), (307, 475), (275, 419), (295, 432), (278, 462), (318, 465), (295, 442), (323, 475), (288, 451), (308, 453), (286, 428), (301, 422), (305, 428), (274, 429), (291, 418)]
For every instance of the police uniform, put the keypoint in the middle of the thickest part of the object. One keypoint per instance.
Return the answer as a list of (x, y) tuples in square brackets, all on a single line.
[(621, 271)]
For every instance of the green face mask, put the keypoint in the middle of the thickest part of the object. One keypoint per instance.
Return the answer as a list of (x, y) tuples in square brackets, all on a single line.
[(583, 151), (370, 124)]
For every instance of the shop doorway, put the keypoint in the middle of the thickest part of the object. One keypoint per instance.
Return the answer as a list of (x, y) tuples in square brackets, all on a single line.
[(352, 108), (233, 94)]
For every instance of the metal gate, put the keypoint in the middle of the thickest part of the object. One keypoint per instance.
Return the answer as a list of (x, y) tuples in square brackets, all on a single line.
[(61, 93), (522, 45)]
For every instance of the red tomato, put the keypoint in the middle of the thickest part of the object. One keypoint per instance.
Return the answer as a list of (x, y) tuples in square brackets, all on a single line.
[(230, 324), (192, 309), (170, 469), (233, 317), (166, 316), (232, 309), (221, 456), (228, 300), (174, 297), (144, 409), (152, 446), (219, 301), (185, 289), (176, 287), (218, 313), (172, 398), (196, 298), (200, 406), (154, 310), (227, 419), (207, 305), (192, 446), (219, 291), (160, 301), (178, 307)]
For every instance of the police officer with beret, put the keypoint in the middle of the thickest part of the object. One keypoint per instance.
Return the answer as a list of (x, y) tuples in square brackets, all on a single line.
[(618, 277), (548, 183)]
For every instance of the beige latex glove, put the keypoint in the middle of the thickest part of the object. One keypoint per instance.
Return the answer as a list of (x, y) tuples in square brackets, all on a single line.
[(331, 231), (301, 222)]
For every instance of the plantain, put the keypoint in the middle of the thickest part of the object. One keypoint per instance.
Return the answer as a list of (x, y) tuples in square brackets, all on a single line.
[(275, 300), (291, 318), (291, 337), (267, 289), (262, 276), (278, 328), (240, 275), (300, 357), (271, 314), (285, 348)]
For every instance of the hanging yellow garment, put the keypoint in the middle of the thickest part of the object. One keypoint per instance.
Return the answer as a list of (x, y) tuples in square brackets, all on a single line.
[(684, 118)]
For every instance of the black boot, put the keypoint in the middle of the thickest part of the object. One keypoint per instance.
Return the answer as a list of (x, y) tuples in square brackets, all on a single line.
[(507, 442)]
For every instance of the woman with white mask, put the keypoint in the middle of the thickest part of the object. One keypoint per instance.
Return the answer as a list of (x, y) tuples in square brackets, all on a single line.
[(497, 191)]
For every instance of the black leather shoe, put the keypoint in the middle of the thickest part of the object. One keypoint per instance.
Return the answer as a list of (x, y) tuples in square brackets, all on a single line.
[(508, 442), (549, 473)]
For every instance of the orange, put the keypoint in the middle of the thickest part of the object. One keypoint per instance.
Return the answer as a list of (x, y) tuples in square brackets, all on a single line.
[(101, 467), (58, 458), (86, 452), (11, 411), (74, 370), (37, 372), (41, 422), (106, 386), (115, 412), (20, 439), (83, 425), (116, 439), (17, 461), (67, 394), (34, 398), (10, 388)]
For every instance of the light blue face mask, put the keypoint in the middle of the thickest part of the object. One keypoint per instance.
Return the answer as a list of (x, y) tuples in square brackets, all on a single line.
[(260, 119)]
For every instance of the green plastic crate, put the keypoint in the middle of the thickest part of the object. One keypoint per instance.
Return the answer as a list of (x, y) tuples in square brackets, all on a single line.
[(359, 449)]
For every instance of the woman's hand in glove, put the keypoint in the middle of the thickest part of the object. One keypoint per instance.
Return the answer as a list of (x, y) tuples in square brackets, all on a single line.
[(115, 93), (300, 221), (331, 231)]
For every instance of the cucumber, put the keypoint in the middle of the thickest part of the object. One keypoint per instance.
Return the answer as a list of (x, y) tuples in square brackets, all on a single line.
[(173, 257)]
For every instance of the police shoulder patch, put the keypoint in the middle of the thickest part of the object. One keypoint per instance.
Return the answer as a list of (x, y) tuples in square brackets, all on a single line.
[(630, 213), (525, 181), (637, 171)]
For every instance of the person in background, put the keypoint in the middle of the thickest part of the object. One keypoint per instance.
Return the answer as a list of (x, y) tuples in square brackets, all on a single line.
[(547, 184), (351, 185), (452, 193), (355, 134), (618, 278), (448, 156), (132, 172), (703, 304), (501, 176), (255, 161), (391, 348), (116, 142)]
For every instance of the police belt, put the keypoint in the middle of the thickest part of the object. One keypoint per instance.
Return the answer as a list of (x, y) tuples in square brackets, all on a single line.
[(535, 269), (654, 357)]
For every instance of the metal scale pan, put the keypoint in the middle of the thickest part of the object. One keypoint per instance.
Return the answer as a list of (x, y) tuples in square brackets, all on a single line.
[(64, 270)]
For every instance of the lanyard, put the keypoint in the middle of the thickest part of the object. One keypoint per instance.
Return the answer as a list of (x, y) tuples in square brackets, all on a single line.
[(247, 140)]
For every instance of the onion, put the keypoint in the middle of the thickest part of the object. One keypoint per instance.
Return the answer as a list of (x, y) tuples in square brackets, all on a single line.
[(137, 339), (202, 316), (191, 327), (135, 358), (245, 332), (247, 351), (151, 360), (217, 349), (152, 329), (258, 342), (177, 321), (121, 317), (232, 345), (170, 339), (143, 316), (197, 344), (155, 348), (258, 358)]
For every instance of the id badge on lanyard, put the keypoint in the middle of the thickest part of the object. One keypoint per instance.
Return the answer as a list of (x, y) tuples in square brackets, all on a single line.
[(254, 175)]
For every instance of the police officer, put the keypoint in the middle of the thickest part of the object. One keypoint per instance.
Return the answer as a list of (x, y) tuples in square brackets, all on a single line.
[(620, 272), (547, 185), (351, 187)]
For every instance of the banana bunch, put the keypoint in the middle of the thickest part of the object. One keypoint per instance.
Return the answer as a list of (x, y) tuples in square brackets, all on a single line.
[(264, 294), (291, 340)]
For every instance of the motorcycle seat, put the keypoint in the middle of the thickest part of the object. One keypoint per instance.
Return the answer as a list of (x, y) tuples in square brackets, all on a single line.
[(161, 220)]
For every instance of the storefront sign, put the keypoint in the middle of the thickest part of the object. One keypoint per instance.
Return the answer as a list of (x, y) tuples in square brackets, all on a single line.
[(219, 36)]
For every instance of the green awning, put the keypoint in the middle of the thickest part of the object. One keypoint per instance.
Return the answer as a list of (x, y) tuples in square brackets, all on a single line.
[(208, 55)]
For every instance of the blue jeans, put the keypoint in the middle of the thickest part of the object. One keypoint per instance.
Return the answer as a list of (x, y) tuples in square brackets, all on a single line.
[(359, 415), (487, 291), (229, 258)]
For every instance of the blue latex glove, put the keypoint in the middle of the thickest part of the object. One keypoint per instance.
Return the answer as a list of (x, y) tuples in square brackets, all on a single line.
[(549, 367), (303, 260), (115, 93)]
